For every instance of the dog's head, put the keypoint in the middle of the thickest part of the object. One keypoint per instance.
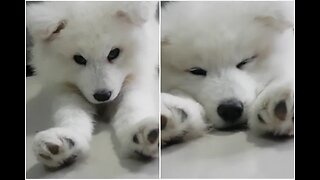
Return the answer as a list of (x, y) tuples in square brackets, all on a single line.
[(220, 53), (94, 46)]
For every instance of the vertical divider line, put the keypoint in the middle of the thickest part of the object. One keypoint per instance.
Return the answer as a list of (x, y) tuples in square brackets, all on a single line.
[(159, 99), (294, 88)]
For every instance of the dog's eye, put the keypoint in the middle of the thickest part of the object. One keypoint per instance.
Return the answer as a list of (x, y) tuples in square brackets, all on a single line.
[(113, 54), (80, 60), (245, 61), (197, 71)]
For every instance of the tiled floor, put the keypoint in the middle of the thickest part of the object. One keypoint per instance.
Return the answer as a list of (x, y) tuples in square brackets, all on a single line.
[(230, 155)]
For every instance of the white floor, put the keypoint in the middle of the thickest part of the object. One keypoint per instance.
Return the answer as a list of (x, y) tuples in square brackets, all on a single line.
[(102, 162), (229, 155), (217, 155)]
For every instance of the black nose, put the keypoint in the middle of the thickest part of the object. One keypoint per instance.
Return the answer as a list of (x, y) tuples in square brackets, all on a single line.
[(102, 95), (230, 110)]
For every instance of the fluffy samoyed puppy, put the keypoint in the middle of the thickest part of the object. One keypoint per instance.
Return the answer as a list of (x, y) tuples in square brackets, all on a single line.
[(96, 54), (225, 64)]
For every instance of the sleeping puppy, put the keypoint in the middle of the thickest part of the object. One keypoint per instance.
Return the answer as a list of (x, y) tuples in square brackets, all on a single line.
[(226, 64)]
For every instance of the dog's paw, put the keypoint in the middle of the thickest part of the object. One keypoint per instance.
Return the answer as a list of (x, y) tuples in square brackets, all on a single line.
[(141, 140), (181, 119), (273, 111), (58, 147), (173, 125)]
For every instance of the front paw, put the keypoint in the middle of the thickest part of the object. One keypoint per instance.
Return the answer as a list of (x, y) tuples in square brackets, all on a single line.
[(173, 125), (57, 147), (181, 119), (273, 111), (141, 140)]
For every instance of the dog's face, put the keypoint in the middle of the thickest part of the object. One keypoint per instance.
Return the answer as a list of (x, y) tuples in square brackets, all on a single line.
[(222, 64), (93, 46)]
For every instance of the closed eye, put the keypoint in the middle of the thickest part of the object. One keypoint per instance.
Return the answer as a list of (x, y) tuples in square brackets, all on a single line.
[(245, 61), (197, 71), (80, 59)]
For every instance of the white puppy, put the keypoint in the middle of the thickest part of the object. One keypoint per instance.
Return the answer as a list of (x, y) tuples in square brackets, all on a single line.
[(226, 64), (93, 53)]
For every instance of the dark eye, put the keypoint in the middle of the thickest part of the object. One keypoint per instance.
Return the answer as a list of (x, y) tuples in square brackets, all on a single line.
[(245, 61), (198, 71), (80, 60), (113, 54)]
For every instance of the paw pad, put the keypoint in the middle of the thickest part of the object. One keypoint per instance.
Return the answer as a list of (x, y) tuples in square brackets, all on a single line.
[(153, 136), (135, 139), (164, 121), (53, 148), (280, 110)]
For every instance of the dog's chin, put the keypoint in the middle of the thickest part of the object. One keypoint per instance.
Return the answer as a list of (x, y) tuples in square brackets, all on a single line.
[(93, 101), (232, 127), (98, 102)]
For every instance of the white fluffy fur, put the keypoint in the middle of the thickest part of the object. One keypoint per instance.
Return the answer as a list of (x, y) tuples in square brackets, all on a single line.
[(92, 29), (178, 125), (216, 36)]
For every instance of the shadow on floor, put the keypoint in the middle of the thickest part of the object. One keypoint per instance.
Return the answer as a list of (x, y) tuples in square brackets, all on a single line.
[(268, 140)]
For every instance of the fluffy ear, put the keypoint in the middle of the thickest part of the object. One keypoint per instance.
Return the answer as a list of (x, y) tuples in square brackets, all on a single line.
[(44, 21), (136, 13), (278, 16), (274, 23)]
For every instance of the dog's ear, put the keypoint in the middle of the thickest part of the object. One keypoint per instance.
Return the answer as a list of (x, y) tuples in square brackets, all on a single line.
[(278, 24), (44, 22), (279, 17), (136, 13)]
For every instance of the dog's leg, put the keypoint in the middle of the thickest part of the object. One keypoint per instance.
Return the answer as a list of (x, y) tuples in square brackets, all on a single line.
[(69, 139), (182, 118), (272, 110), (136, 122)]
